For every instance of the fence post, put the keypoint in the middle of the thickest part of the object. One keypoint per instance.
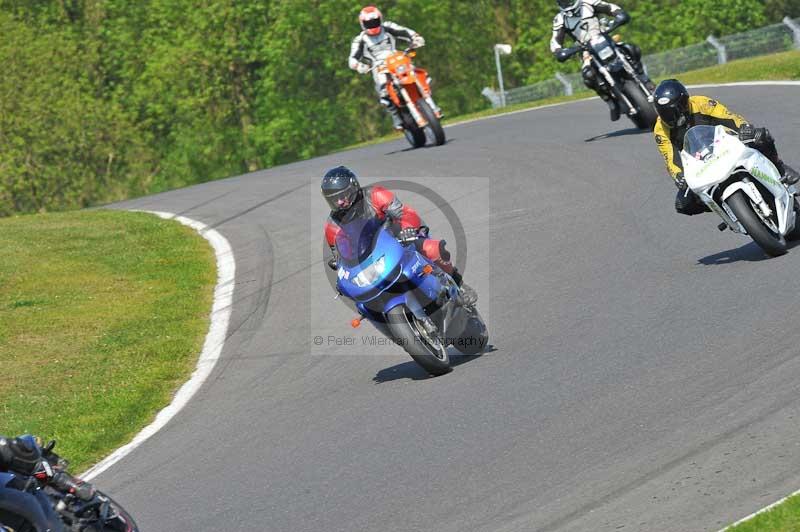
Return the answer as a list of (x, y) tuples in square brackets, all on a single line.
[(722, 54), (795, 27), (564, 81)]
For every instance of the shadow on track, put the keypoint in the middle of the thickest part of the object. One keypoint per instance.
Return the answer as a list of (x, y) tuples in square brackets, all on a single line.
[(749, 252), (411, 370), (620, 133)]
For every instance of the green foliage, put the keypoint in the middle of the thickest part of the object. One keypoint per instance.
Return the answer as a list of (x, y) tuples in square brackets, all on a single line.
[(104, 100), (777, 9), (60, 144)]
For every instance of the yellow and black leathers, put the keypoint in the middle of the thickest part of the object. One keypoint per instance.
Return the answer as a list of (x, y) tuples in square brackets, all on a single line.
[(702, 111)]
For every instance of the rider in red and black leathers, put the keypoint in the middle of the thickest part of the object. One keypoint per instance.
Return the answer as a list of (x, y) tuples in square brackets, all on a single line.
[(348, 202)]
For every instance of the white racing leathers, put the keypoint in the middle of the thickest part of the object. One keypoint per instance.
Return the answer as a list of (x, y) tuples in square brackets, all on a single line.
[(373, 50)]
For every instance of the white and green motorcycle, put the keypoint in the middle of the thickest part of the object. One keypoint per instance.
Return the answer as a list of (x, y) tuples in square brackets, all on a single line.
[(742, 186)]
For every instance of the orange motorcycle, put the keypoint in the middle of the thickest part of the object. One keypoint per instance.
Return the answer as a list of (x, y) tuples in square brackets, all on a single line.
[(409, 89)]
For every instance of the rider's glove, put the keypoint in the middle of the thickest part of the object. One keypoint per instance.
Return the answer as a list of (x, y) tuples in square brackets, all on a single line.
[(562, 54), (619, 19), (409, 234), (753, 135), (680, 182), (362, 68), (747, 133), (21, 456), (417, 41)]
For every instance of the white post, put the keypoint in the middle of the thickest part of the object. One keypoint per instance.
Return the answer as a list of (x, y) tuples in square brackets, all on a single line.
[(564, 81), (722, 54), (504, 49), (795, 27), (500, 77)]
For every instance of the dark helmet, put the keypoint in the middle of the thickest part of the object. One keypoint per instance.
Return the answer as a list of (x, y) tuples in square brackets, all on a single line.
[(340, 188), (568, 5), (672, 103)]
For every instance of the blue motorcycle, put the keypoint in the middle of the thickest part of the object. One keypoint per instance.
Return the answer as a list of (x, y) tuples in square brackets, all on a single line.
[(406, 296)]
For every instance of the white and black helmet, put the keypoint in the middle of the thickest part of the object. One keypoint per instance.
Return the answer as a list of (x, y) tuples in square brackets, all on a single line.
[(568, 5)]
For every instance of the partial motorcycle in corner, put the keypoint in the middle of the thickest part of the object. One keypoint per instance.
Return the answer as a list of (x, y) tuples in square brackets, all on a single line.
[(630, 88), (742, 186), (53, 500), (406, 296), (409, 89)]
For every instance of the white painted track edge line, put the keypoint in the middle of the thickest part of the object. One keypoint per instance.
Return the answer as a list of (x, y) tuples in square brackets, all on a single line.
[(559, 104), (761, 511), (212, 347)]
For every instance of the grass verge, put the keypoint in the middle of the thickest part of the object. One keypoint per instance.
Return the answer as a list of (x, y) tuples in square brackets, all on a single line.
[(102, 315), (783, 518), (775, 67)]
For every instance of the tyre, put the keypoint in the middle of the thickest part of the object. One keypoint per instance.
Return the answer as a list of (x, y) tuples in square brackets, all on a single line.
[(414, 134), (794, 234), (646, 117), (434, 125), (475, 337), (407, 332), (770, 240)]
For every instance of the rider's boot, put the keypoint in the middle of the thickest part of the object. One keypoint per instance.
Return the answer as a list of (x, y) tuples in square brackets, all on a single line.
[(397, 120), (613, 106), (789, 175), (468, 294)]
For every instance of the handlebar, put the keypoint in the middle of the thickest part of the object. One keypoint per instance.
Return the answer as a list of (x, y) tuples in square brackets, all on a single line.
[(380, 64)]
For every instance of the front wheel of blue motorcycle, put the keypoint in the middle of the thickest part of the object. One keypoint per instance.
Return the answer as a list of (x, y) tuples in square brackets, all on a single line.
[(425, 348)]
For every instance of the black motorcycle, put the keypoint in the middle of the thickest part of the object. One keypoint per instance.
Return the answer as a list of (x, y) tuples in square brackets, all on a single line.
[(52, 500), (621, 69)]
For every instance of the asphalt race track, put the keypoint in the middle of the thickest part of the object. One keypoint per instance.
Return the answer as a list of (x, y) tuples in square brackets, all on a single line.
[(645, 371)]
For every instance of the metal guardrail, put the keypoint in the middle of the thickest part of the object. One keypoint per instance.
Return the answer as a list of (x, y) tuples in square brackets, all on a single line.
[(715, 50)]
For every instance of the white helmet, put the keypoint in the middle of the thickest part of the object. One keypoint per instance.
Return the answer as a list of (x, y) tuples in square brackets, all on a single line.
[(568, 5), (371, 20)]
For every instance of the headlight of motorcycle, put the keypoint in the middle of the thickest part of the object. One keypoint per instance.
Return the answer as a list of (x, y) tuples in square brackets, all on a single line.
[(371, 274), (401, 69)]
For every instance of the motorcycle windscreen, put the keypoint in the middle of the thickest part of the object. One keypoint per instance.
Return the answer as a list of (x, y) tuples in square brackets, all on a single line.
[(701, 141), (356, 240)]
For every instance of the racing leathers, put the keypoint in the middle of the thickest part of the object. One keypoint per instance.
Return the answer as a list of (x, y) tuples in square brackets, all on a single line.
[(368, 51), (383, 204), (378, 202), (583, 24), (705, 111)]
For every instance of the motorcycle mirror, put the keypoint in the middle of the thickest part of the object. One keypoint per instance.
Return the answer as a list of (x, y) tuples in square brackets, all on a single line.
[(49, 447)]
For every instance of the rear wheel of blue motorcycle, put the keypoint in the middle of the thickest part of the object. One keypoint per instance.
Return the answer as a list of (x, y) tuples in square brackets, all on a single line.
[(407, 332)]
